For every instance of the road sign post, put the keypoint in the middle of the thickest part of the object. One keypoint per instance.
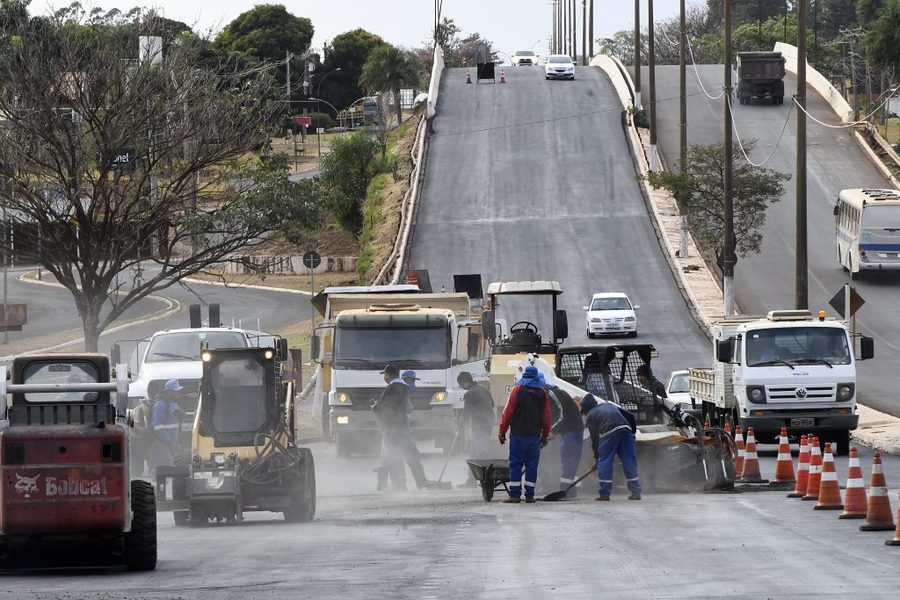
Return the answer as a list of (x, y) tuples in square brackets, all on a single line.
[(847, 302), (311, 260)]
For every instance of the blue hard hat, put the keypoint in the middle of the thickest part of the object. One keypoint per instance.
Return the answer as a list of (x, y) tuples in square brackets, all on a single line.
[(172, 385), (408, 374)]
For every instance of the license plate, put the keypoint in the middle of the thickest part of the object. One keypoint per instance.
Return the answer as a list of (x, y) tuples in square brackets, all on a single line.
[(803, 422), (187, 426), (613, 327)]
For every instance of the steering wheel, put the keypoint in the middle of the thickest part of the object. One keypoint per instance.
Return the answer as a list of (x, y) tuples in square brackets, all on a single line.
[(526, 326)]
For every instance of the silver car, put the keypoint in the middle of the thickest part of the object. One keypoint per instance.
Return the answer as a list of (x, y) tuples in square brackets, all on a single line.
[(559, 66)]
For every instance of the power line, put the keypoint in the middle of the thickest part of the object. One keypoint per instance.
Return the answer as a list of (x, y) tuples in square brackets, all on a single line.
[(741, 144)]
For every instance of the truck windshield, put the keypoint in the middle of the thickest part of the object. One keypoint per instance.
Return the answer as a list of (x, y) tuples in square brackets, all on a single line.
[(185, 345), (797, 345), (405, 340)]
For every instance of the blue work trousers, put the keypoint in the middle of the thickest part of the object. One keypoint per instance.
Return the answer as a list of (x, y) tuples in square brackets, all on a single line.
[(524, 452), (619, 443), (570, 446)]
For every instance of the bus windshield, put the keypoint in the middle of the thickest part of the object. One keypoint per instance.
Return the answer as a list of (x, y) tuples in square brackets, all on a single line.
[(796, 346), (881, 217)]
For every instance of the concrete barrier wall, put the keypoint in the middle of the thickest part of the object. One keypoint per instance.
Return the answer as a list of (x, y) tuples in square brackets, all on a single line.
[(437, 69), (621, 85), (817, 81)]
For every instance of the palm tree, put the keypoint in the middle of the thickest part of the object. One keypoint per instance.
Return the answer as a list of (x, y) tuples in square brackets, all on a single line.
[(387, 69)]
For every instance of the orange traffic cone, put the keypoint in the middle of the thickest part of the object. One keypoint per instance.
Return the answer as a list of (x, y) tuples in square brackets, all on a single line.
[(829, 490), (750, 473), (739, 444), (855, 498), (502, 76), (878, 514), (896, 540), (468, 77), (784, 468), (802, 470), (815, 471)]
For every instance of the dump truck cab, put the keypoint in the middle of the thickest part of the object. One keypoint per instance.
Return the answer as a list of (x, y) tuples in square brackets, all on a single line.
[(523, 304), (243, 453), (64, 459)]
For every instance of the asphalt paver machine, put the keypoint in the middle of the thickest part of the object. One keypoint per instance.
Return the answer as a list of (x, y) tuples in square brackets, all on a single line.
[(675, 451), (67, 498), (244, 456)]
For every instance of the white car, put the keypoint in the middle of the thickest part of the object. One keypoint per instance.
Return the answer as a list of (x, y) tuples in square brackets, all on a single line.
[(610, 313), (559, 66), (524, 57), (677, 387)]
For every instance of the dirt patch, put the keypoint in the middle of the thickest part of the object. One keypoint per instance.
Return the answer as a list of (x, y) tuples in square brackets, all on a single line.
[(383, 203)]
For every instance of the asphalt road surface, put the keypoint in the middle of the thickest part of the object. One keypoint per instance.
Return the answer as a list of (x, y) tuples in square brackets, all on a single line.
[(834, 162), (451, 544), (52, 310), (533, 180)]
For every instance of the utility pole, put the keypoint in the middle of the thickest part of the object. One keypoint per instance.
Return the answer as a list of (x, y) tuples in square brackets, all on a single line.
[(637, 54), (728, 252), (584, 57), (553, 31), (591, 28), (682, 112), (574, 31), (801, 273), (654, 160), (559, 24), (287, 85)]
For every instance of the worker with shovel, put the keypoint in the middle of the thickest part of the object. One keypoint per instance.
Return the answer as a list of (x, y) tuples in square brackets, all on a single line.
[(569, 428), (478, 414), (612, 431), (527, 417)]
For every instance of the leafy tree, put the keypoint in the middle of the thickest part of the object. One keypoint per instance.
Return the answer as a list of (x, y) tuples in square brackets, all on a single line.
[(700, 191), (387, 70), (752, 11), (345, 176), (187, 198), (868, 10), (347, 52), (266, 32), (884, 37)]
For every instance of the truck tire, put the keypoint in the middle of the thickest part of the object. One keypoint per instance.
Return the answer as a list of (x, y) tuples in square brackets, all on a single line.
[(303, 506), (842, 443), (140, 542)]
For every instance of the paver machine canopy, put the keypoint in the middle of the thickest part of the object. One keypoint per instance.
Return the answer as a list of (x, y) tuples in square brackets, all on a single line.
[(511, 343)]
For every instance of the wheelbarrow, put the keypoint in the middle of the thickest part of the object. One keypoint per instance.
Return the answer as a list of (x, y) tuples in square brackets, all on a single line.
[(491, 474)]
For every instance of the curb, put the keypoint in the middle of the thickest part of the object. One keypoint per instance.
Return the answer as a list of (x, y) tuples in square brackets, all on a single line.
[(172, 306), (250, 286)]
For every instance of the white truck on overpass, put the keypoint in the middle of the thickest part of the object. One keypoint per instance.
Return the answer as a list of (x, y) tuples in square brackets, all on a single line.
[(786, 369)]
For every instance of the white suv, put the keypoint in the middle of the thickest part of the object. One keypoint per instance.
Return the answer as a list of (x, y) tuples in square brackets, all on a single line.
[(610, 313), (524, 57)]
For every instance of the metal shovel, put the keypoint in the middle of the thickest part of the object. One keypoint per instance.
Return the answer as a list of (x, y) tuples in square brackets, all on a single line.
[(561, 494)]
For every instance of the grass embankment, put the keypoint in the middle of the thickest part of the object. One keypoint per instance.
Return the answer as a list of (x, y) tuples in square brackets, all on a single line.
[(381, 209)]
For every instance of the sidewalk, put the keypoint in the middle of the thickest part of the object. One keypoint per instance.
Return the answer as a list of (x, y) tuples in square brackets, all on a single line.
[(876, 429)]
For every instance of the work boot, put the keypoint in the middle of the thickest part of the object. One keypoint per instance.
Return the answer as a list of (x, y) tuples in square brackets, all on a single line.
[(602, 498), (529, 499), (634, 496), (512, 500), (468, 483), (382, 478)]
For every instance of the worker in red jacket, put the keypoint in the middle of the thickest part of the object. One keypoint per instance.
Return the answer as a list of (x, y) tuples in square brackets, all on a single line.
[(527, 417)]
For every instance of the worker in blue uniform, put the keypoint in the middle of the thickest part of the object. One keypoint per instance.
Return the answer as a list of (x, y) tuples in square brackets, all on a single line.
[(612, 430)]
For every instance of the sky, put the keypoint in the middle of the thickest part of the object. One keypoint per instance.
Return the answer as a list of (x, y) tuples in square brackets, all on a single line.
[(510, 24)]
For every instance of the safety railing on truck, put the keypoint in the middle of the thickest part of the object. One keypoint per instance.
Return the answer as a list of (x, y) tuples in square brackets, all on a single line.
[(702, 385)]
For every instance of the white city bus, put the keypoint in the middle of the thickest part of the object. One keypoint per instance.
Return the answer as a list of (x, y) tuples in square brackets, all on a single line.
[(867, 227)]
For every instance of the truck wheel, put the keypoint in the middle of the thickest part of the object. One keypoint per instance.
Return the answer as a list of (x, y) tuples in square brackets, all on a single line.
[(303, 506), (140, 542), (182, 517), (842, 443)]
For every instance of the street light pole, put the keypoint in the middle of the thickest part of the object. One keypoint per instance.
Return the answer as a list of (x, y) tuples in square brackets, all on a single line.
[(801, 273), (319, 87), (637, 54), (727, 253), (584, 57), (652, 56)]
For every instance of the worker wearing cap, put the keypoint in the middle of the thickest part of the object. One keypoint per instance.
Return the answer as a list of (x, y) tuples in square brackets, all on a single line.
[(569, 428), (409, 448), (166, 420), (647, 379), (612, 431), (478, 415), (527, 418)]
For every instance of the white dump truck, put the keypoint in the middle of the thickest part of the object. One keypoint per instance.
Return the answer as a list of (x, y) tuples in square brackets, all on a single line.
[(786, 369), (435, 334)]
